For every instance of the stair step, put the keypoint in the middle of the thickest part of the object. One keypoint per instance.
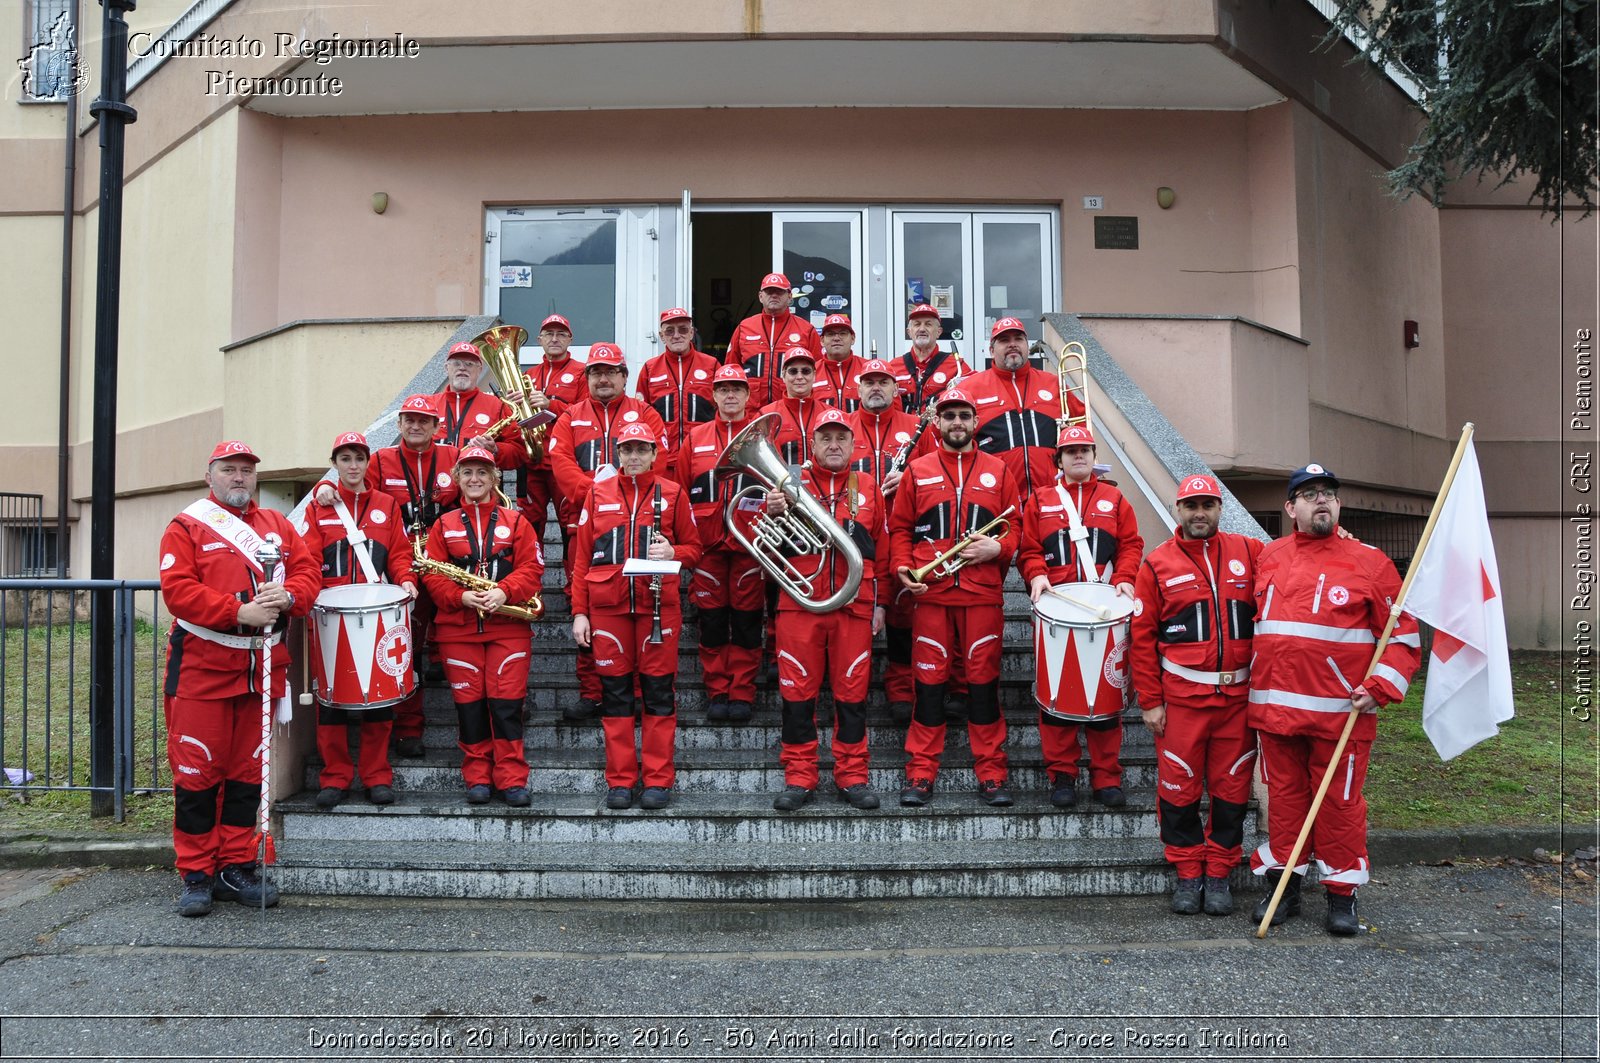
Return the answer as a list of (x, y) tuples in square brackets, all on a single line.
[(746, 871)]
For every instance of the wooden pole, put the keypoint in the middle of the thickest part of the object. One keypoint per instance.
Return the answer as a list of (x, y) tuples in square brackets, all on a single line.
[(1377, 653)]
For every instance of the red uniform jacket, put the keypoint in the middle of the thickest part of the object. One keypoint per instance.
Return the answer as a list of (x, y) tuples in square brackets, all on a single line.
[(1196, 609), (1321, 604), (564, 383), (205, 581), (796, 418), (584, 438), (1114, 540), (616, 524), (487, 540), (921, 381), (836, 382), (879, 437), (942, 496), (867, 525), (760, 341), (679, 390), (411, 476), (377, 516), (1019, 417), (707, 488), (468, 414)]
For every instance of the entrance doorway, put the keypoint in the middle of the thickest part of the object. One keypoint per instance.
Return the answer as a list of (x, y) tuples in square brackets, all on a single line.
[(732, 252)]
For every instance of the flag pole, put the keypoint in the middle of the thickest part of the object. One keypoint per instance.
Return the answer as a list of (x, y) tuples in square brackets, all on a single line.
[(1377, 654)]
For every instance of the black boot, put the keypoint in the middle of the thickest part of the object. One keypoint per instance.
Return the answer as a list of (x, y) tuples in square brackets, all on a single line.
[(1342, 920), (1288, 906)]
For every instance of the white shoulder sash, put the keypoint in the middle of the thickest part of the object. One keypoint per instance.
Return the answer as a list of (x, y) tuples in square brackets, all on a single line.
[(233, 531)]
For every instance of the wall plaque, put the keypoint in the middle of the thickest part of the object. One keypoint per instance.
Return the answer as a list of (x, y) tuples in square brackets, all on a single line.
[(1116, 233)]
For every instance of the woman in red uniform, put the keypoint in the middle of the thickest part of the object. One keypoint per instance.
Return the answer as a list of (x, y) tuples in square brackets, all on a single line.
[(486, 653), (635, 514)]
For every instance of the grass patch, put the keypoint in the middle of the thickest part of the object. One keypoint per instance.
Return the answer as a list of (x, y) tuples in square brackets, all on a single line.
[(1539, 771)]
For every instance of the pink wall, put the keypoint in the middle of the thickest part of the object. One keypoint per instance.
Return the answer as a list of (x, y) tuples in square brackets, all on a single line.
[(337, 259)]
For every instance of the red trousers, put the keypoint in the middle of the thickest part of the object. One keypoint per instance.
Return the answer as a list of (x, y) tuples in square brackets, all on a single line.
[(408, 714), (1210, 747), (1058, 741), (810, 644), (941, 634), (624, 658), (489, 681), (729, 590), (897, 682), (333, 742), (1292, 767), (213, 750)]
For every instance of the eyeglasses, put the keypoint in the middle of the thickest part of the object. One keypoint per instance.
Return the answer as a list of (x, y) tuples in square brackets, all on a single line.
[(1311, 494), (800, 370), (676, 330), (957, 415)]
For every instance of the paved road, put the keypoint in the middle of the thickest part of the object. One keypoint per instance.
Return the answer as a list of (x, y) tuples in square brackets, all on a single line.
[(1477, 961)]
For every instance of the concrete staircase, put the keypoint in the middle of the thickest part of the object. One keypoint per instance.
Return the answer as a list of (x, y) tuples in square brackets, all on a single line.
[(721, 839)]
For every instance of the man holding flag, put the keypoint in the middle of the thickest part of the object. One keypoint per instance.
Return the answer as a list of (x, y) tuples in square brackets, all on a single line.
[(1322, 604)]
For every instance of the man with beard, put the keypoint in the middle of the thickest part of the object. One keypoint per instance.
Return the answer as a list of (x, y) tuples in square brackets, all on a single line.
[(837, 643), (583, 444), (761, 338), (924, 371), (944, 497), (840, 365), (882, 431), (729, 590), (229, 614), (468, 412), (635, 514), (1189, 655), (1322, 602), (1019, 409), (677, 382)]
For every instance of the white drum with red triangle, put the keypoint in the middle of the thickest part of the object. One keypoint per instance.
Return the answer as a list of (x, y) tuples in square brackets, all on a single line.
[(1080, 643), (361, 646)]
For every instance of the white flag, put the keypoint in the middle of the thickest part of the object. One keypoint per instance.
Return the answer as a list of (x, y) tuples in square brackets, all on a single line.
[(1456, 590)]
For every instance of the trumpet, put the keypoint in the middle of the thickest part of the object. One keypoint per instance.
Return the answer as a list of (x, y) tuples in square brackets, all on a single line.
[(950, 562), (499, 347), (807, 527), (1072, 371), (530, 610)]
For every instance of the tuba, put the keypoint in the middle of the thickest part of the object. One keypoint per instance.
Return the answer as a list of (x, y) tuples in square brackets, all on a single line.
[(807, 527), (499, 347), (1072, 370)]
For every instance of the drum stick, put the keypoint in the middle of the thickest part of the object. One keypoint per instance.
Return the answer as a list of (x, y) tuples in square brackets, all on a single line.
[(1099, 612)]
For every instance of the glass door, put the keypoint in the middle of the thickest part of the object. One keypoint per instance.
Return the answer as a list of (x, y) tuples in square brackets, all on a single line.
[(931, 264), (1012, 270), (820, 253)]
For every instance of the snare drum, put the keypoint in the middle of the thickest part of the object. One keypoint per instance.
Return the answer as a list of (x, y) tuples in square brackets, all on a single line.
[(1080, 642), (361, 646)]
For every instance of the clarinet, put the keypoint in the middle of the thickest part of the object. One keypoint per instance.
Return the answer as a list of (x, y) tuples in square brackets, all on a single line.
[(655, 581)]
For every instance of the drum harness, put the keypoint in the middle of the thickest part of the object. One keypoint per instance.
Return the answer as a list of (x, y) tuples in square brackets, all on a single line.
[(357, 539), (1079, 536)]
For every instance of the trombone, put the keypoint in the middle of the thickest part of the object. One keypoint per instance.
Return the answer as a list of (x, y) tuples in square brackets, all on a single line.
[(1072, 371), (950, 562)]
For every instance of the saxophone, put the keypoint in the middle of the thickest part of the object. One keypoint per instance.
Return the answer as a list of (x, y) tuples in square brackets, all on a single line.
[(530, 610)]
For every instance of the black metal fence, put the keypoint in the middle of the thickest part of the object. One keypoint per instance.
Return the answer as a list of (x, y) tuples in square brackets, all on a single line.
[(24, 550), (44, 687)]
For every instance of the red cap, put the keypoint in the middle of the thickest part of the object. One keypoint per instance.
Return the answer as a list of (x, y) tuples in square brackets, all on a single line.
[(776, 280), (876, 365), (422, 404), (675, 313), (605, 354), (831, 416), (232, 448), (838, 321), (1007, 324), (1199, 486), (480, 454), (350, 439), (954, 397), (730, 374), (1075, 436), (558, 321), (795, 354), (922, 310), (465, 350), (636, 433)]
